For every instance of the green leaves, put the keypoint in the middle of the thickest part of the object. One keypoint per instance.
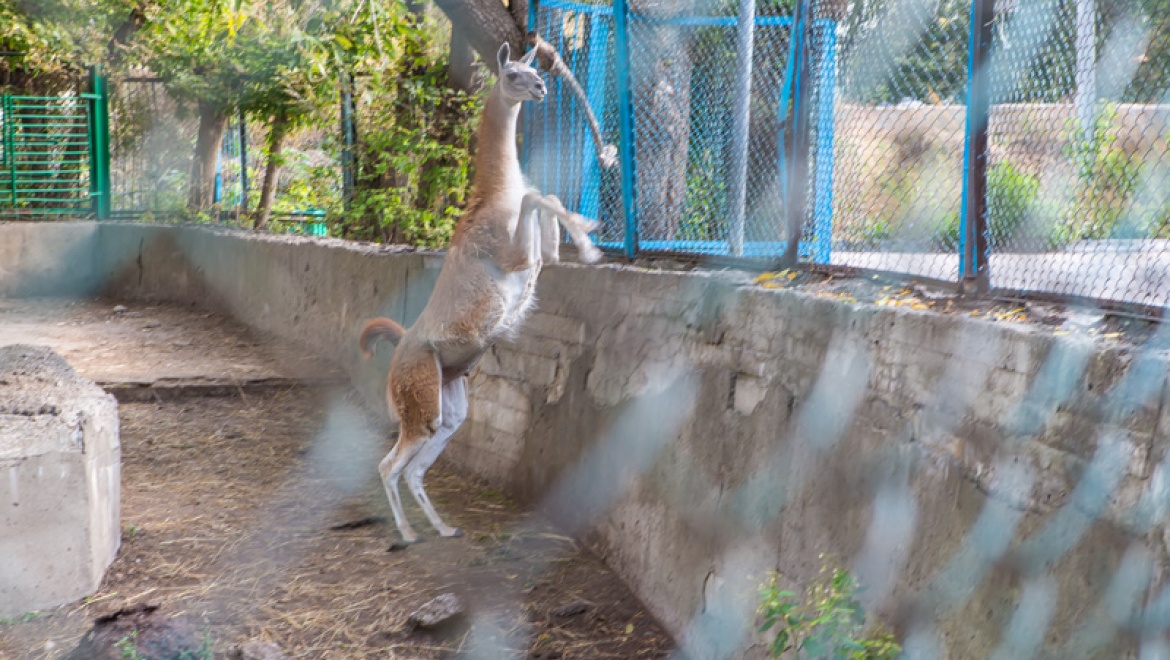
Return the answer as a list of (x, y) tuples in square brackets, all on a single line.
[(830, 623)]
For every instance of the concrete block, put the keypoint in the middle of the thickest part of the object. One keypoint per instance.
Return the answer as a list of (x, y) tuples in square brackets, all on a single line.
[(60, 495)]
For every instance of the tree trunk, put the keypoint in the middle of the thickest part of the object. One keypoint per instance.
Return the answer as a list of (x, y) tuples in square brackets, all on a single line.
[(272, 170), (461, 72), (661, 81), (519, 11), (485, 24), (212, 124)]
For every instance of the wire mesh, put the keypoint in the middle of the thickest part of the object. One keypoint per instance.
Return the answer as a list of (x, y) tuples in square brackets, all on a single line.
[(559, 155), (153, 140), (899, 119), (1078, 175), (683, 74), (151, 146), (682, 69)]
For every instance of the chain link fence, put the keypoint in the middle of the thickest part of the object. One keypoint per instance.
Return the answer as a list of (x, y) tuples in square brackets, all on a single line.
[(150, 149), (1077, 185), (152, 146), (888, 170)]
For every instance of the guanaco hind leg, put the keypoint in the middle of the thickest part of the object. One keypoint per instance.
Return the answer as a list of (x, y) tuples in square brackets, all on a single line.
[(454, 406), (414, 390)]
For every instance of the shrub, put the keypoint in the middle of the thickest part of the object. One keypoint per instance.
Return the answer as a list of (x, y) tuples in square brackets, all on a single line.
[(830, 623)]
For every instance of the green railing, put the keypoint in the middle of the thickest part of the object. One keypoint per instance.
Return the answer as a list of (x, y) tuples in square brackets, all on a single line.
[(54, 153)]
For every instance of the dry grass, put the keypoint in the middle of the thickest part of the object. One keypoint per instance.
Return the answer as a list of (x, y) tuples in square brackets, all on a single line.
[(228, 506)]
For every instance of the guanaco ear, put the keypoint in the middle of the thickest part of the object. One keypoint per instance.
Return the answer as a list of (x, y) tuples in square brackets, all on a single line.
[(528, 57), (503, 55)]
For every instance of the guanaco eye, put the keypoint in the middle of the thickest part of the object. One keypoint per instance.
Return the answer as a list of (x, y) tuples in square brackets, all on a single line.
[(513, 76)]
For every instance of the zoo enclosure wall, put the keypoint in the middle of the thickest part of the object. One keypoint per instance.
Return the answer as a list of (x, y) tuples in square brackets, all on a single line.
[(1006, 146), (1007, 481)]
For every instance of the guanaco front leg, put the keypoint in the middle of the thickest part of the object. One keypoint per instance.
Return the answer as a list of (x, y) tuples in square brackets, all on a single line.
[(552, 211), (525, 249), (550, 230)]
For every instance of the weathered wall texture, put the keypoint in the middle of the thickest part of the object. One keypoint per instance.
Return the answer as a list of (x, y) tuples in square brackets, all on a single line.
[(60, 494), (699, 431)]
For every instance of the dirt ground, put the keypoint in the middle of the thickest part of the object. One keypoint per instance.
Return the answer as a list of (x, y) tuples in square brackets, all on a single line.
[(259, 516), (112, 343)]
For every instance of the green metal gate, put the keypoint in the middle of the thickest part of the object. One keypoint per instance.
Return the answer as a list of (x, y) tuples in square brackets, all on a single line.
[(54, 153)]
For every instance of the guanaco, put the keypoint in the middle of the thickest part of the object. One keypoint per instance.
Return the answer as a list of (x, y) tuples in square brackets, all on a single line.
[(483, 292)]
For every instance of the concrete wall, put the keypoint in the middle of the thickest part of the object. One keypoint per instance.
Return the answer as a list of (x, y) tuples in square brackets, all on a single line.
[(698, 431)]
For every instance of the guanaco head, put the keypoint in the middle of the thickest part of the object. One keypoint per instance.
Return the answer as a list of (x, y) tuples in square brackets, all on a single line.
[(518, 80)]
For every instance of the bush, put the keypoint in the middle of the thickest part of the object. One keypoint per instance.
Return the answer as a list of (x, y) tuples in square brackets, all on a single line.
[(414, 150), (830, 623), (1010, 198), (1107, 177)]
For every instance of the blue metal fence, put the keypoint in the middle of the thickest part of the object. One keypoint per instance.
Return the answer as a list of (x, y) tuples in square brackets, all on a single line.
[(1014, 146), (678, 127)]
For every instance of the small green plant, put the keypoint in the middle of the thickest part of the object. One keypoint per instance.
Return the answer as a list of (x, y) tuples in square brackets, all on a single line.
[(204, 651), (830, 623), (1010, 196), (1106, 182), (128, 646)]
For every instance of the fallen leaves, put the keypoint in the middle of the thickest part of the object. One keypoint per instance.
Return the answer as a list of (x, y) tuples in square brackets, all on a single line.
[(775, 280), (903, 298)]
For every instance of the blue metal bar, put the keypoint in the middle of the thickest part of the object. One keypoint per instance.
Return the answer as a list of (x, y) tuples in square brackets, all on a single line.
[(595, 93), (711, 21), (218, 193), (626, 124), (797, 171), (823, 189), (973, 246), (568, 5), (527, 116)]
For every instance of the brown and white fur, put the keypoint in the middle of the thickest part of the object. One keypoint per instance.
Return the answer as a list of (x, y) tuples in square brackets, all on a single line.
[(483, 292)]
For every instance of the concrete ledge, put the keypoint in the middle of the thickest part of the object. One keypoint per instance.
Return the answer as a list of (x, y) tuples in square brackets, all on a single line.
[(59, 502)]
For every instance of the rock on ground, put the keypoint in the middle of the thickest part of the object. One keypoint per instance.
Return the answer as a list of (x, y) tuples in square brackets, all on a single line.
[(142, 631)]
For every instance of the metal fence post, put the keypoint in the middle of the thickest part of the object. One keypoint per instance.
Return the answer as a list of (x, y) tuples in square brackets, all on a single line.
[(1086, 67), (973, 245), (348, 175), (595, 93), (741, 127), (9, 145), (99, 158), (243, 119), (798, 144), (626, 123), (826, 118)]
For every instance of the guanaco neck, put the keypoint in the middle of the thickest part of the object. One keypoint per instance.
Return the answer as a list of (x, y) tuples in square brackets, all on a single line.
[(497, 166)]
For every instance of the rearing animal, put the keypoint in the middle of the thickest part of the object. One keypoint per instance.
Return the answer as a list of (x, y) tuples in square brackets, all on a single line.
[(483, 292)]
